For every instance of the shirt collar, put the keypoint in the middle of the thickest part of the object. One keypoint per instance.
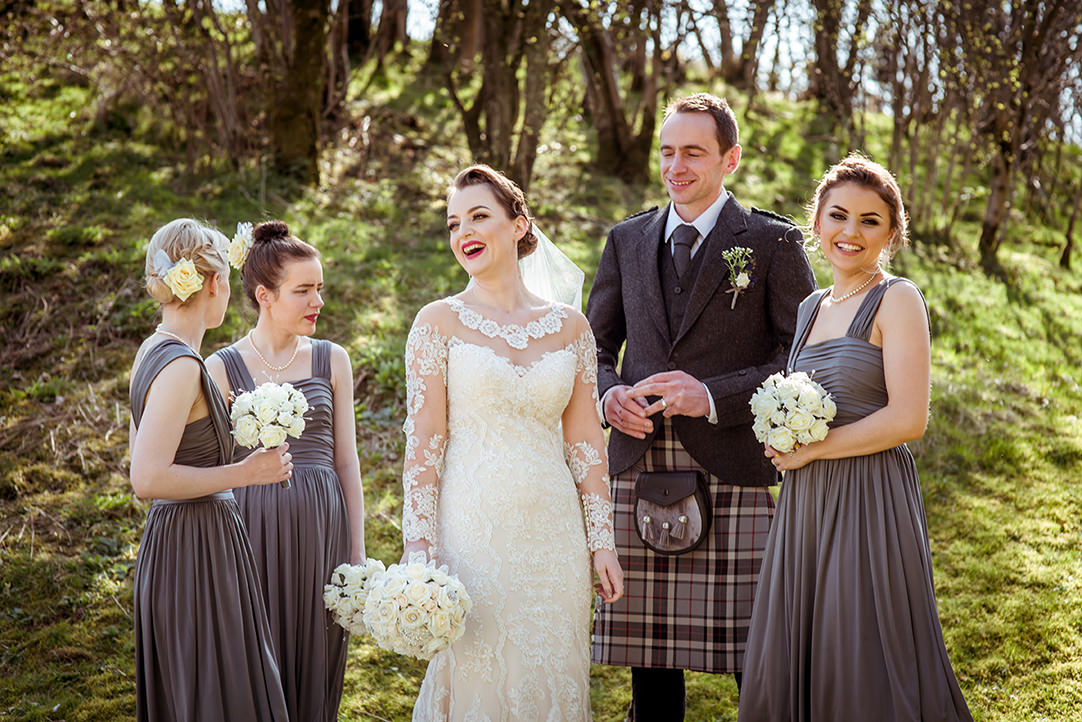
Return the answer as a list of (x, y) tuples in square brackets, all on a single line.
[(703, 224)]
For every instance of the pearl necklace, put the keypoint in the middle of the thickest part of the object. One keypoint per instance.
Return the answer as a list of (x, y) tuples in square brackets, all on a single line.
[(855, 291), (267, 363), (163, 332)]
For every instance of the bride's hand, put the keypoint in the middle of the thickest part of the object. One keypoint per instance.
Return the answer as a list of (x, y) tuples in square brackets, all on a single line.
[(607, 566)]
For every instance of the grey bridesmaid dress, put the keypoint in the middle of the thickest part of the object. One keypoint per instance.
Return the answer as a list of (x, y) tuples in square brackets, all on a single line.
[(844, 625), (299, 535), (202, 642)]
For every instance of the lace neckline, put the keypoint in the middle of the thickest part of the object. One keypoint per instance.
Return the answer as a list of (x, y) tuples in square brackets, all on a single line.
[(515, 335)]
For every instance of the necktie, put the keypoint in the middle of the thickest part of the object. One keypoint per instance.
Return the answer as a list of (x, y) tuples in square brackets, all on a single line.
[(684, 238)]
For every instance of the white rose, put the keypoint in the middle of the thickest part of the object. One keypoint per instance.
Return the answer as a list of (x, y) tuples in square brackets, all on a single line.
[(296, 428), (382, 613), (275, 393), (411, 618), (272, 436), (799, 420), (266, 411), (829, 407), (809, 396), (742, 281), (416, 571), (778, 417), (417, 592), (246, 431), (761, 428), (392, 585), (818, 430), (241, 405), (763, 405), (439, 623), (788, 392), (781, 439), (446, 597)]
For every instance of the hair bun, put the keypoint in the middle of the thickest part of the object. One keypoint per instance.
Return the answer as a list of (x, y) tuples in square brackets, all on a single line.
[(269, 230)]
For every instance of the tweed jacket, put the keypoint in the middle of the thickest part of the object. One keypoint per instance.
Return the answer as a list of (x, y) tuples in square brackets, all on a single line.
[(731, 350)]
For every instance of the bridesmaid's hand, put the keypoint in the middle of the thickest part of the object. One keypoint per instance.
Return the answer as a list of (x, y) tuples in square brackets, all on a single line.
[(269, 466), (607, 566), (795, 459)]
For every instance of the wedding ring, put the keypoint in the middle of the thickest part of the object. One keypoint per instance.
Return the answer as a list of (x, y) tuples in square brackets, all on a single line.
[(664, 403)]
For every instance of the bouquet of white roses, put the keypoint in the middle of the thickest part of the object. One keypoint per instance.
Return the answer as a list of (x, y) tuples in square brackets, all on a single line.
[(267, 415), (791, 411), (416, 609), (345, 596)]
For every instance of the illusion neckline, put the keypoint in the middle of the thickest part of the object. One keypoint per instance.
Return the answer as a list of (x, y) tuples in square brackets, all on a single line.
[(517, 336), (520, 370)]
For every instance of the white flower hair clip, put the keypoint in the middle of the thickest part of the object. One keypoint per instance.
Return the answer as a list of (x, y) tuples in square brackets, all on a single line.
[(240, 245), (181, 276)]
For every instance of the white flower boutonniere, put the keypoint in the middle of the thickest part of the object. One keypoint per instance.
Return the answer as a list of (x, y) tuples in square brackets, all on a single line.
[(741, 264)]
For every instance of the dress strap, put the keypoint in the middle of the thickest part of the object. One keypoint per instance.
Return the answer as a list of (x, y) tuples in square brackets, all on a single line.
[(861, 326), (240, 379), (321, 358), (805, 318), (156, 359)]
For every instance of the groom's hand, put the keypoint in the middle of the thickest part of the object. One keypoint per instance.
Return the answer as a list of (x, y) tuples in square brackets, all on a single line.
[(679, 392), (627, 414)]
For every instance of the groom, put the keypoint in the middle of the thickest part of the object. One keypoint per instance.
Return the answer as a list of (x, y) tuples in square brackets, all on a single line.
[(700, 338)]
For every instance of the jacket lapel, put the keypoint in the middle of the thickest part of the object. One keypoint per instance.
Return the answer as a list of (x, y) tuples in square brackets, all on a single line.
[(649, 279), (731, 223)]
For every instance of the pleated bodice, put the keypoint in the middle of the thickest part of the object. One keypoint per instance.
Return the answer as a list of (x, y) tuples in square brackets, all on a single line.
[(206, 441), (316, 445)]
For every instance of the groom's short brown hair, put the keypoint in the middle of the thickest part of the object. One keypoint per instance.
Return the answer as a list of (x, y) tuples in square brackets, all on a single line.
[(724, 119)]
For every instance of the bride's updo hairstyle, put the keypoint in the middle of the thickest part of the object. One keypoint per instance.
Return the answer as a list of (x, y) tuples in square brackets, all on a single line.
[(509, 195), (273, 246), (184, 239), (862, 171)]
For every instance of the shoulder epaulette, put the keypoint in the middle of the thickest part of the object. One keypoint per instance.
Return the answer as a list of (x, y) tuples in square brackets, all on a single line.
[(775, 216), (639, 213)]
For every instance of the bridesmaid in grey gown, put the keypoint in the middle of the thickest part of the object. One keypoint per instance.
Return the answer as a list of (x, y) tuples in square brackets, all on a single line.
[(202, 641), (300, 534), (844, 625)]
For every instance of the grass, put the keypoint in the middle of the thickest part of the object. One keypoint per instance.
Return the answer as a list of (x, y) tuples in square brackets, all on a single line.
[(998, 463)]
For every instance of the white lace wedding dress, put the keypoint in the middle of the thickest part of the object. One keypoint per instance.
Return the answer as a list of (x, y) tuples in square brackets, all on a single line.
[(504, 453)]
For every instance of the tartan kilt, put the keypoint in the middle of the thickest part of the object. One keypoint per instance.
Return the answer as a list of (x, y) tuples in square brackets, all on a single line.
[(689, 611)]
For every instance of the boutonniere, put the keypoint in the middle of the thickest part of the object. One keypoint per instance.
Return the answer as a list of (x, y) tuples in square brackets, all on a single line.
[(741, 264)]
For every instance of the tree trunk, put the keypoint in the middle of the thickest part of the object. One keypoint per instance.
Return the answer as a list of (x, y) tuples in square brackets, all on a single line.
[(749, 51), (295, 107), (729, 64), (538, 72), (1065, 256), (359, 28), (994, 213), (392, 27)]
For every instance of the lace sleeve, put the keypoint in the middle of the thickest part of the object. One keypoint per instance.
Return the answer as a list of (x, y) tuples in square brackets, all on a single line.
[(426, 437), (584, 446)]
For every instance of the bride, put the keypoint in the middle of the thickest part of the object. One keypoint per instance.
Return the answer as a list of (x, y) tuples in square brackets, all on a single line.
[(505, 472)]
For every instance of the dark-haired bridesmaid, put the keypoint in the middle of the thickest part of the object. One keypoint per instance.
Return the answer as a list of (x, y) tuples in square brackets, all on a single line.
[(202, 642), (299, 534)]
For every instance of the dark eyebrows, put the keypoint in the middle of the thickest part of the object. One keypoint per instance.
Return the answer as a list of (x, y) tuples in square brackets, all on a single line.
[(478, 207), (862, 215)]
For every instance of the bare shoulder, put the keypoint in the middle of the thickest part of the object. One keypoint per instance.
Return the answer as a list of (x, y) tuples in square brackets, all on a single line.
[(903, 304)]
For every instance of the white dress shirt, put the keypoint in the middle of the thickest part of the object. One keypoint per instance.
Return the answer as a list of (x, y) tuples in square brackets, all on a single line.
[(703, 224)]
